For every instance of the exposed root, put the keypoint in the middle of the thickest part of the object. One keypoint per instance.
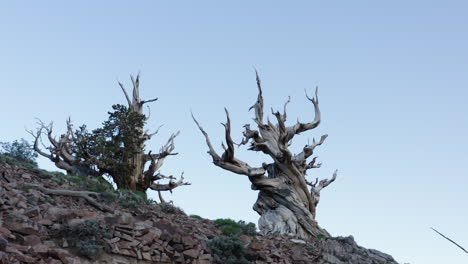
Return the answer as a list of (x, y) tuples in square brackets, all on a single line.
[(82, 194)]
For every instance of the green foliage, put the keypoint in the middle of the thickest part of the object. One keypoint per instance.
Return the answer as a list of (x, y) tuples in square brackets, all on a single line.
[(230, 227), (87, 238), (8, 159), (195, 216), (132, 199), (19, 150), (112, 145), (228, 250)]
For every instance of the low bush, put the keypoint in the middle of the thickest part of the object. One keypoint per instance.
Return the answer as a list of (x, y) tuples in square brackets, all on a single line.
[(195, 216), (19, 150), (230, 227), (169, 208), (87, 239), (228, 250)]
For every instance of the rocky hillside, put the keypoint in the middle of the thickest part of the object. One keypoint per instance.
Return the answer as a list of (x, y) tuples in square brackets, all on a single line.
[(53, 218)]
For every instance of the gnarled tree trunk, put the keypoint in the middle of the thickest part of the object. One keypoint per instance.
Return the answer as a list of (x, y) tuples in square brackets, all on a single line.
[(285, 203)]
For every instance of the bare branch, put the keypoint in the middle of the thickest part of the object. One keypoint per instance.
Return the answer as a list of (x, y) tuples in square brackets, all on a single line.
[(308, 150), (258, 106), (170, 186), (136, 89), (301, 127), (228, 154), (450, 240), (36, 148), (126, 94), (211, 151), (228, 161), (148, 101)]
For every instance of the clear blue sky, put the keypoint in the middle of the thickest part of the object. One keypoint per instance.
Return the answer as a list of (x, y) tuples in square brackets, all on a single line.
[(393, 79)]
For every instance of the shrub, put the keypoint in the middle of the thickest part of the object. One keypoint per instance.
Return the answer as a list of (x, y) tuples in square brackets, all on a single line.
[(20, 150), (196, 216), (230, 227), (228, 250), (87, 238), (171, 209), (130, 199)]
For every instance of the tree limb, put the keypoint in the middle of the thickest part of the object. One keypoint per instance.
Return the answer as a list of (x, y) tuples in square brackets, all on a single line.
[(258, 106), (227, 161), (81, 194), (449, 240), (301, 127), (170, 186)]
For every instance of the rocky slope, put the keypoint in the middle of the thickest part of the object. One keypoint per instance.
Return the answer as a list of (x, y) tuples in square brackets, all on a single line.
[(38, 225)]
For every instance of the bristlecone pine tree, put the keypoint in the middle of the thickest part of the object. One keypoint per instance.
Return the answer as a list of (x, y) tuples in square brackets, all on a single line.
[(285, 202), (117, 149)]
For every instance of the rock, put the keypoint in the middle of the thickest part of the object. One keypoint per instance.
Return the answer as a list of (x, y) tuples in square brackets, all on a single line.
[(127, 219), (32, 212), (192, 253), (246, 239), (41, 249), (3, 243), (298, 241), (257, 245), (26, 176), (5, 232), (22, 228), (59, 214), (32, 240)]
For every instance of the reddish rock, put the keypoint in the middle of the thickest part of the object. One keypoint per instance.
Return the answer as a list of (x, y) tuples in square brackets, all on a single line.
[(5, 232), (246, 239), (192, 253), (3, 243), (32, 240), (41, 249), (32, 212), (59, 214)]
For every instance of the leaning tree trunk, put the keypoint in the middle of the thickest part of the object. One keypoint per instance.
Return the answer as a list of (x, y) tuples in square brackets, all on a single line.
[(284, 203)]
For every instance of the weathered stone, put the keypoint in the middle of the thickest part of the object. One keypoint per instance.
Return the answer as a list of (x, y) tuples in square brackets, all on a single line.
[(59, 214), (3, 243), (205, 257), (192, 253), (31, 240), (41, 249), (246, 239), (22, 228), (298, 241), (257, 245), (32, 212), (146, 255)]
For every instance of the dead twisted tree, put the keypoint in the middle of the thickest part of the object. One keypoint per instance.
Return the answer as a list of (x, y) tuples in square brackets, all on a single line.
[(117, 149), (285, 202)]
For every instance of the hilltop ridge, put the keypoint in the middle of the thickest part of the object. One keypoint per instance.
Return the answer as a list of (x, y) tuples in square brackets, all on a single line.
[(44, 220)]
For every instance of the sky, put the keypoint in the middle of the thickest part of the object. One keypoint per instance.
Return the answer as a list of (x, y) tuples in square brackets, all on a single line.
[(392, 78)]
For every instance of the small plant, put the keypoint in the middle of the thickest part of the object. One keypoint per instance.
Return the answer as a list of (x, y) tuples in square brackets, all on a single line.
[(130, 199), (195, 216), (228, 250), (87, 238), (171, 209), (230, 227), (20, 150)]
